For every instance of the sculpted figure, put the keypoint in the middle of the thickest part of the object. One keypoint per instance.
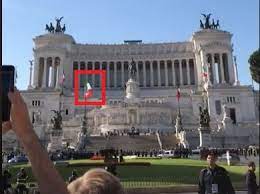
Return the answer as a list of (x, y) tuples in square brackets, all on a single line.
[(132, 69), (58, 26), (56, 120), (207, 23)]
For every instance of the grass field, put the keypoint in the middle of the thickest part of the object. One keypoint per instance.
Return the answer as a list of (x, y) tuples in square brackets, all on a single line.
[(162, 172)]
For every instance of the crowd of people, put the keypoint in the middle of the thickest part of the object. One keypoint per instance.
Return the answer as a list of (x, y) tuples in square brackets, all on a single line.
[(134, 131), (247, 151), (213, 179), (21, 179)]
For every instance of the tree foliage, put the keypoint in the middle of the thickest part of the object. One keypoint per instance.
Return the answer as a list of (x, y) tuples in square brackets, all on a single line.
[(254, 61)]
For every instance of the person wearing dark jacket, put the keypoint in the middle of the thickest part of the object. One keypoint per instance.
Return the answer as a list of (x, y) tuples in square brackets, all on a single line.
[(73, 176), (251, 179), (214, 179)]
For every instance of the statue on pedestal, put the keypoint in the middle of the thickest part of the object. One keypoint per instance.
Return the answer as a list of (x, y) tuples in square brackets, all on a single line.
[(204, 117), (56, 132), (207, 24), (227, 124), (204, 129), (183, 139), (132, 69), (57, 120), (82, 136), (58, 28), (178, 125)]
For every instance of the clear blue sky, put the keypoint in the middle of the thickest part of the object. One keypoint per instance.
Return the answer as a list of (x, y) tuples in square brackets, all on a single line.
[(112, 21)]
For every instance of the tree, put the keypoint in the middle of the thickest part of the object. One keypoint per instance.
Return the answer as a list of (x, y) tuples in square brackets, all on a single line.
[(254, 61)]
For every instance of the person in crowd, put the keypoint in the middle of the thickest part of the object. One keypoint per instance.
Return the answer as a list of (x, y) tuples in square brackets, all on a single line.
[(97, 181), (21, 181), (73, 176), (22, 174), (251, 185), (6, 180), (214, 179), (48, 178)]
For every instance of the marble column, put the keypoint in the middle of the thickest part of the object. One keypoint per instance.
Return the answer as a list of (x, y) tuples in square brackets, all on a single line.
[(137, 71), (188, 71), (173, 74), (58, 76), (222, 69), (236, 83), (180, 68), (213, 68), (55, 76), (93, 75), (100, 67), (36, 72), (166, 73), (108, 75), (115, 74), (159, 73), (144, 73), (122, 74), (231, 68), (44, 80), (30, 79), (52, 73), (203, 62), (151, 73)]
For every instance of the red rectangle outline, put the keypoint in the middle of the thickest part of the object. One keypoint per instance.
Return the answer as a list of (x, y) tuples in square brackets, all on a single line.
[(76, 87)]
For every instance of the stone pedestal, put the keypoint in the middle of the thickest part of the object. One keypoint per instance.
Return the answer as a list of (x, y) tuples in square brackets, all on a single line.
[(82, 136), (205, 137), (55, 141), (178, 125), (132, 91), (183, 139), (227, 123)]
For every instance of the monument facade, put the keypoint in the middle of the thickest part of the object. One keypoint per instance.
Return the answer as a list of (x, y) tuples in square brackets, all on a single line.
[(147, 102)]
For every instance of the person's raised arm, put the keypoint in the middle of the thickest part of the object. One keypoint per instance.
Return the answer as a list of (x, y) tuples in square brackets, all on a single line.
[(48, 178)]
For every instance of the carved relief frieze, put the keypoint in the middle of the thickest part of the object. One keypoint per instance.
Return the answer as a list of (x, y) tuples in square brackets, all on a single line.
[(217, 45)]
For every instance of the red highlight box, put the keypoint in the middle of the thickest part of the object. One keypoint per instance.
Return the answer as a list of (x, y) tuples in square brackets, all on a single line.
[(77, 74)]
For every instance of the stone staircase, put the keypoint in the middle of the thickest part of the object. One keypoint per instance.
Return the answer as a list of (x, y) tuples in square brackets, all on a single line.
[(169, 141), (144, 143), (141, 142)]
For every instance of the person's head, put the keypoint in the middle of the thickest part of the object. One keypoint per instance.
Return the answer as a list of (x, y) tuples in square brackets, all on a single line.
[(22, 169), (74, 172), (6, 172), (96, 181), (251, 166), (212, 158)]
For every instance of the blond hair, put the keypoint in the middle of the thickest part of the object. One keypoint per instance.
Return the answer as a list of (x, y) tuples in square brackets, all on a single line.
[(96, 181)]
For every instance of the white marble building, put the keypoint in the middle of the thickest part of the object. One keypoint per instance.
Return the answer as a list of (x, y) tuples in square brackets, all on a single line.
[(161, 68)]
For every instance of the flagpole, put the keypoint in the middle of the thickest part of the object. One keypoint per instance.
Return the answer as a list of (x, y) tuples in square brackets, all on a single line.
[(85, 108), (179, 107), (178, 99), (61, 93)]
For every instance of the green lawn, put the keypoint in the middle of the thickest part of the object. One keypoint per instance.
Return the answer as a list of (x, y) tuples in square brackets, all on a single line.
[(162, 172)]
